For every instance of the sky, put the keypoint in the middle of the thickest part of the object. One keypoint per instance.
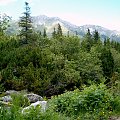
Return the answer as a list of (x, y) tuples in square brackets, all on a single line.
[(105, 13)]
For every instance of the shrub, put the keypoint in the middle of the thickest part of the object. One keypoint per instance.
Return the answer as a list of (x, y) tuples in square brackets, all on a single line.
[(93, 102), (35, 114), (14, 112), (116, 105)]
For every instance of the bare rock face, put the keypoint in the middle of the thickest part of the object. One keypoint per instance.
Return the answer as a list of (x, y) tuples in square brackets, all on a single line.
[(33, 97)]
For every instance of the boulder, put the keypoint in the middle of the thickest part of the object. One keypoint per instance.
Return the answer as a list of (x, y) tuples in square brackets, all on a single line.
[(33, 97), (6, 98), (43, 105), (9, 92)]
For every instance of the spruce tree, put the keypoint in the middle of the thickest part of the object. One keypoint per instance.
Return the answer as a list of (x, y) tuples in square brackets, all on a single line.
[(96, 36), (105, 42), (54, 33), (88, 36), (87, 41), (107, 62), (59, 31), (68, 34), (88, 33), (44, 33), (26, 24)]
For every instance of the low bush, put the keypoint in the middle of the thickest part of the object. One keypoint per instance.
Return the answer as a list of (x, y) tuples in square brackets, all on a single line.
[(116, 105), (33, 114), (94, 102), (14, 111)]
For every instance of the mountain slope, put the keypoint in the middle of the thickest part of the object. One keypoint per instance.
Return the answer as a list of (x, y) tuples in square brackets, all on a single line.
[(49, 23)]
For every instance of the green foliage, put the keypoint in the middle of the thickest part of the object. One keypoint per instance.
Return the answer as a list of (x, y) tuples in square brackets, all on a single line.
[(54, 33), (49, 66), (116, 57), (89, 67), (96, 37), (107, 62), (116, 105), (87, 42), (19, 100), (4, 22), (14, 112), (52, 65), (44, 33), (35, 114), (94, 102), (59, 31)]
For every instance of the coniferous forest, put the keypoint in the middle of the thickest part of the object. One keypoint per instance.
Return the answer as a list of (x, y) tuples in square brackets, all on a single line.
[(80, 77)]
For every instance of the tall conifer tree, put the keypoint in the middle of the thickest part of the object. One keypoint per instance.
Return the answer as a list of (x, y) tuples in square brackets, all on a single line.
[(44, 33), (54, 33), (59, 31), (26, 24), (96, 36)]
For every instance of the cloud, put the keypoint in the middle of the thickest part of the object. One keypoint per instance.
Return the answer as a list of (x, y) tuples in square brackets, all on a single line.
[(6, 2)]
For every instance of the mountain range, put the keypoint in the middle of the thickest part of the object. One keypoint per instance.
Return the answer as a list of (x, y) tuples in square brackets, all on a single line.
[(42, 22)]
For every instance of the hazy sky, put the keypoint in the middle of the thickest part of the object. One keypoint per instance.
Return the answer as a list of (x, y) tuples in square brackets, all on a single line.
[(105, 13)]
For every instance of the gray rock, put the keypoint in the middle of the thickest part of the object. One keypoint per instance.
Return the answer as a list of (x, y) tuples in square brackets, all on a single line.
[(42, 104), (114, 118), (6, 98), (33, 97), (9, 92)]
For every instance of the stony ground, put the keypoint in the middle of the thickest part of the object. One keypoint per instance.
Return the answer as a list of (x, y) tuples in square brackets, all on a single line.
[(114, 118)]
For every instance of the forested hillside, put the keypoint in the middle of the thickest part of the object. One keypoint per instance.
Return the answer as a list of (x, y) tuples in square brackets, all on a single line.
[(50, 66)]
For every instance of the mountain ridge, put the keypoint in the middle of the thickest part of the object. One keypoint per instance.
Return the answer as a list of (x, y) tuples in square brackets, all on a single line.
[(49, 23)]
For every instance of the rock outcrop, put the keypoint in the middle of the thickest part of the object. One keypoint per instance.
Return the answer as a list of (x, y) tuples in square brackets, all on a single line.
[(34, 97), (9, 92)]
